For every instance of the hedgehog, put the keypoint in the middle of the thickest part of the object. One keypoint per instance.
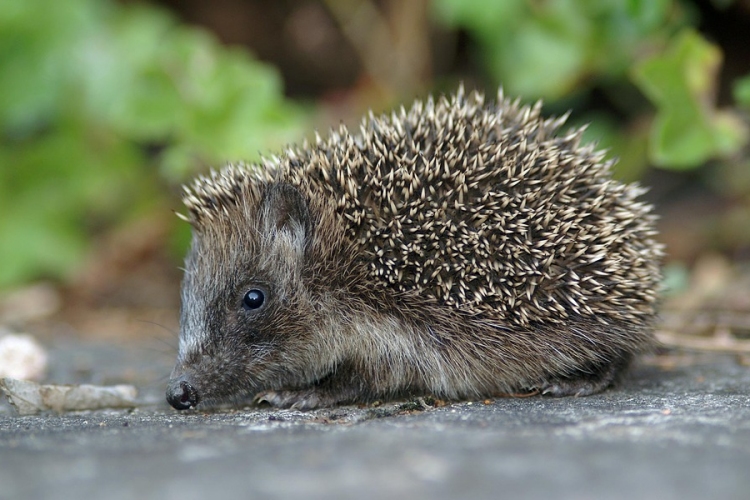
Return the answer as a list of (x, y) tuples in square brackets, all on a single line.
[(458, 249)]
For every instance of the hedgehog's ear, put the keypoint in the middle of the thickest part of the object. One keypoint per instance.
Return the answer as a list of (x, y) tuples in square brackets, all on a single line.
[(285, 209)]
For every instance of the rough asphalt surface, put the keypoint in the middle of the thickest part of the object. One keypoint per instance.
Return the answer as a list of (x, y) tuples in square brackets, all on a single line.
[(678, 433)]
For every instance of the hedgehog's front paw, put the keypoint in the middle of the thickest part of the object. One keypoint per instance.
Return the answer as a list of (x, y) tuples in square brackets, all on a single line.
[(308, 399)]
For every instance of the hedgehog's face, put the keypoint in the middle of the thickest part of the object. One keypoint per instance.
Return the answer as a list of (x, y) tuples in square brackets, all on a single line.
[(246, 315)]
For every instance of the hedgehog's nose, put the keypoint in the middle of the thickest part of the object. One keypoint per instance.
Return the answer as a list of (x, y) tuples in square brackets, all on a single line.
[(181, 395)]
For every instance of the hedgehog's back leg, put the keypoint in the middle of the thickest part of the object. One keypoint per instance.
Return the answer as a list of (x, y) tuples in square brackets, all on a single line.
[(589, 380)]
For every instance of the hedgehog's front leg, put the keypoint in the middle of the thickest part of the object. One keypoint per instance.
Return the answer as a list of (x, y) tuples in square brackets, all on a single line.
[(344, 385), (305, 399)]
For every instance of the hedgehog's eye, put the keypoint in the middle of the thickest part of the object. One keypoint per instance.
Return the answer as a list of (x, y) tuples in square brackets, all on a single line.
[(254, 299)]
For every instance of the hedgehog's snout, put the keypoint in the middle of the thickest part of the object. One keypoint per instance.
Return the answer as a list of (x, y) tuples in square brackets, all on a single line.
[(181, 394)]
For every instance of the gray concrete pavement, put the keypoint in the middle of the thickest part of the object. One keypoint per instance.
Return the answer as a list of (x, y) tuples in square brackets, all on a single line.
[(665, 434)]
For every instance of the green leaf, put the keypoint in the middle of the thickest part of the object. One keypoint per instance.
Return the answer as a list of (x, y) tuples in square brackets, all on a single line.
[(541, 61), (741, 90), (648, 14), (486, 17), (687, 130)]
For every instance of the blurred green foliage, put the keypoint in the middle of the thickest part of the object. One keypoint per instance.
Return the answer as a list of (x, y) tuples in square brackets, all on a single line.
[(687, 131), (626, 49), (101, 103), (742, 92), (552, 48)]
